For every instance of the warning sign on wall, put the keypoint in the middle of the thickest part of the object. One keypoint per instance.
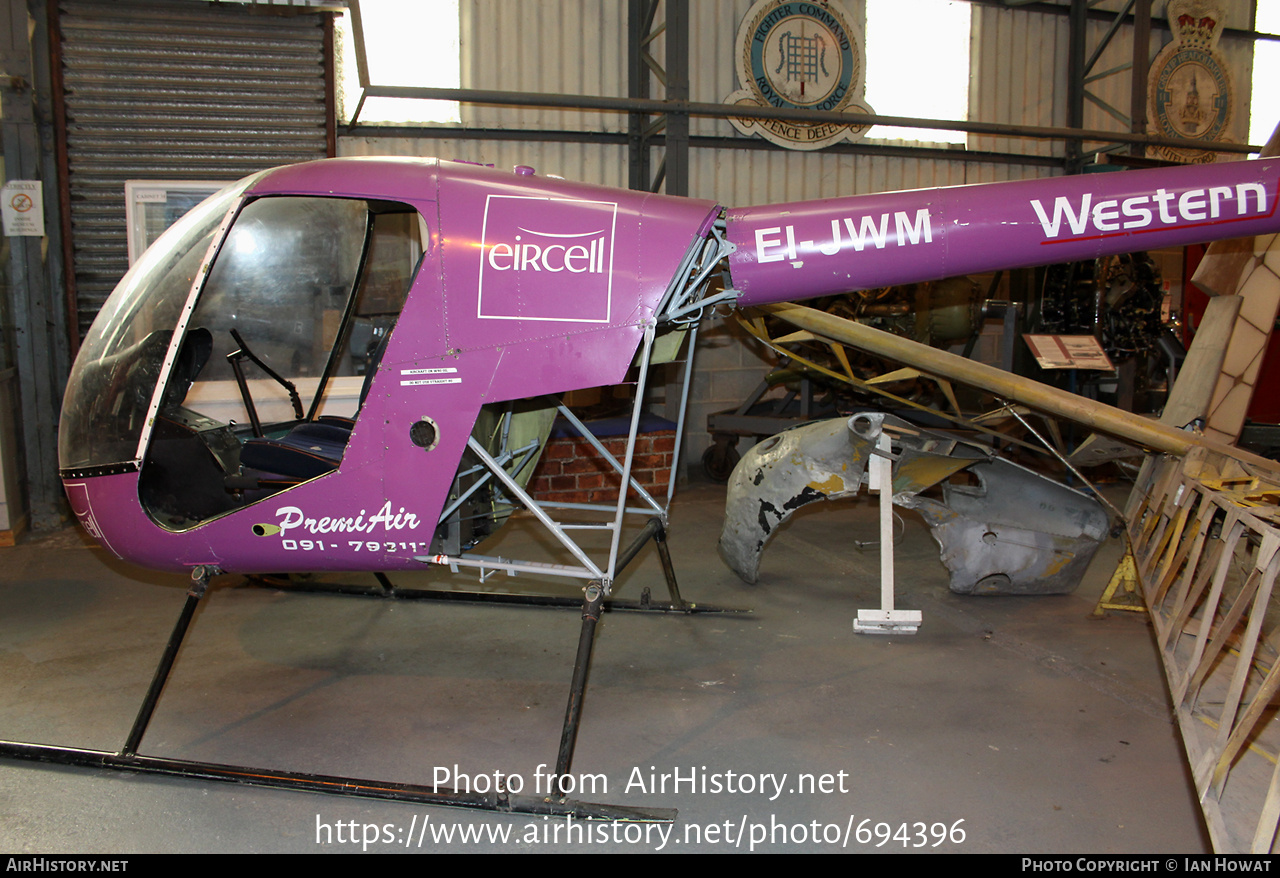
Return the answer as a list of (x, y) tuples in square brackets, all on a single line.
[(22, 204)]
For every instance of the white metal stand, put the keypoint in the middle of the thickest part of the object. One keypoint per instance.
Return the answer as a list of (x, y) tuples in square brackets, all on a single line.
[(885, 620)]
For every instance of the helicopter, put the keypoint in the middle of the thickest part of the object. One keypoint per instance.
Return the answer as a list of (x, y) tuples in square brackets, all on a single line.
[(354, 364), (316, 368)]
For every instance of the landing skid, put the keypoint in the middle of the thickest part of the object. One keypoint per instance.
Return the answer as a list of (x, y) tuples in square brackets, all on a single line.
[(683, 303), (645, 604), (593, 603)]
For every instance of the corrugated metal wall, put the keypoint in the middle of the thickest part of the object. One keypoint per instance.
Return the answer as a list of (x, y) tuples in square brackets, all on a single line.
[(1018, 76), (185, 89), (604, 164), (552, 46), (579, 47), (177, 90)]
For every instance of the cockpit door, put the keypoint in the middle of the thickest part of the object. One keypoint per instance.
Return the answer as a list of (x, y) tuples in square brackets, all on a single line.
[(279, 352)]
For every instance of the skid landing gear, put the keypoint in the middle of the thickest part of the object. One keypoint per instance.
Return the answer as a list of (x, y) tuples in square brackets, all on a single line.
[(653, 530), (127, 758)]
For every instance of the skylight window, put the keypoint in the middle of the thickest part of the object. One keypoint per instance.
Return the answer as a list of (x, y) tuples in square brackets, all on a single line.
[(1266, 73), (901, 34), (407, 42)]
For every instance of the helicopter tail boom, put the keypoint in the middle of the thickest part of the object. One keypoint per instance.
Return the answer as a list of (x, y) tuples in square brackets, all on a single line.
[(806, 249)]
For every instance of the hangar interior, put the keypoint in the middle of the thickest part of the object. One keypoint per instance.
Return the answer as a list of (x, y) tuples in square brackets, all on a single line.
[(1032, 722)]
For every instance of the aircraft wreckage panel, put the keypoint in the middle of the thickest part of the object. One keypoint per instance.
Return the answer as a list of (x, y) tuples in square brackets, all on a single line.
[(1011, 531)]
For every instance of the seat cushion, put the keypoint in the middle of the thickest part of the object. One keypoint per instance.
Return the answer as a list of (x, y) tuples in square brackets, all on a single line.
[(306, 451)]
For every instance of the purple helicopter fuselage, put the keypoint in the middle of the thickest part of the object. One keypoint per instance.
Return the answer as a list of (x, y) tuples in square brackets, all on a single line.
[(496, 318), (530, 285)]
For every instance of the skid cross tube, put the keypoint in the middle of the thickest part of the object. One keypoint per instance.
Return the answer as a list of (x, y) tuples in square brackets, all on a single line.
[(129, 759), (644, 604), (653, 530)]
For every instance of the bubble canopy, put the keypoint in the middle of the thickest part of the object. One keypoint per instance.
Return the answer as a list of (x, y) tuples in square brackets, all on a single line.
[(280, 292), (119, 363)]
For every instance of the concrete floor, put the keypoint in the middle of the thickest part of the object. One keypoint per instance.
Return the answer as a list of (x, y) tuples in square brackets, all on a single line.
[(1004, 725)]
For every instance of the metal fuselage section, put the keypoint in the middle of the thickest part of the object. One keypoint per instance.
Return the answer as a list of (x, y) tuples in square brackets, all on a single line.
[(1001, 528)]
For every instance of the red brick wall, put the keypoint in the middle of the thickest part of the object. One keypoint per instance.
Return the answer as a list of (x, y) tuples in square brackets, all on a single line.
[(571, 471)]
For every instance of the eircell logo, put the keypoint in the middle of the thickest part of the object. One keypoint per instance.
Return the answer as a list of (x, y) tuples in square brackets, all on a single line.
[(546, 259)]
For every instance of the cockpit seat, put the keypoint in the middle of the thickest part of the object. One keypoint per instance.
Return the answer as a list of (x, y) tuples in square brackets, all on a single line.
[(306, 451), (309, 449)]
